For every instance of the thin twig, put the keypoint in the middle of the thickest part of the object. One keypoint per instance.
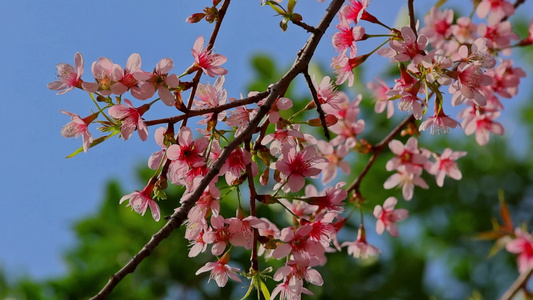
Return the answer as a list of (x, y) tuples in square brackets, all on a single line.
[(377, 150), (321, 114), (217, 109), (520, 283), (253, 194), (305, 26), (180, 215)]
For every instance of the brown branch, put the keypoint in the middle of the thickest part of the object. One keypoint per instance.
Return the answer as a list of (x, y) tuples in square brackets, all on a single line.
[(198, 75), (317, 103), (305, 26), (412, 21), (515, 5), (520, 283), (377, 150), (217, 109), (180, 215)]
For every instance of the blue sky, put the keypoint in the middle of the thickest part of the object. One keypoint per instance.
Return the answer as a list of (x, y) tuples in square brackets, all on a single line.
[(44, 193)]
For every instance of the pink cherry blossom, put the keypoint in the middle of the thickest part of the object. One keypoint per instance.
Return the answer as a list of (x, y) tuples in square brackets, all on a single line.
[(280, 138), (407, 181), (379, 90), (445, 165), (131, 77), (408, 156), (235, 165), (388, 216), (439, 123), (78, 126), (523, 246), (347, 36), (464, 30), (410, 46), (505, 78), (298, 243), (438, 26), (328, 95), (186, 154), (102, 71), (220, 271), (355, 11), (131, 118), (140, 201), (162, 81), (348, 126), (69, 77), (296, 165), (481, 122), (478, 54), (209, 96), (334, 156), (499, 35), (207, 61), (496, 9), (360, 248)]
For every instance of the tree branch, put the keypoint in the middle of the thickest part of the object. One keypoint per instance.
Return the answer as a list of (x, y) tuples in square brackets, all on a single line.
[(274, 91), (520, 283), (217, 109), (377, 150)]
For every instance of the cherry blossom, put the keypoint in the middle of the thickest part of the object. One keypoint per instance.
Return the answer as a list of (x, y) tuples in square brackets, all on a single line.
[(347, 36), (186, 154), (78, 126), (131, 118), (205, 60), (407, 181), (140, 201), (69, 77), (360, 248), (388, 216), (445, 165), (296, 165), (438, 26), (410, 46), (439, 123), (379, 89), (131, 77), (220, 271), (496, 9), (523, 246)]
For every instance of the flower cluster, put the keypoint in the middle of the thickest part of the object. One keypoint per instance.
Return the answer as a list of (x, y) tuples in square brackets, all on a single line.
[(260, 139)]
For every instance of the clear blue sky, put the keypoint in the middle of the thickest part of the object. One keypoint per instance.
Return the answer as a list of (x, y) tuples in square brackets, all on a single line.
[(42, 192)]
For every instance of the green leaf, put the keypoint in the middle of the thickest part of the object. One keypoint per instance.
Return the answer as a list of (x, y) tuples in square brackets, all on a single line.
[(440, 3), (264, 290), (94, 143), (277, 7), (291, 5)]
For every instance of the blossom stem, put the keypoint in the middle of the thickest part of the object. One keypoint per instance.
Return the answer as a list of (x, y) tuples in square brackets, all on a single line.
[(377, 150), (253, 194)]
